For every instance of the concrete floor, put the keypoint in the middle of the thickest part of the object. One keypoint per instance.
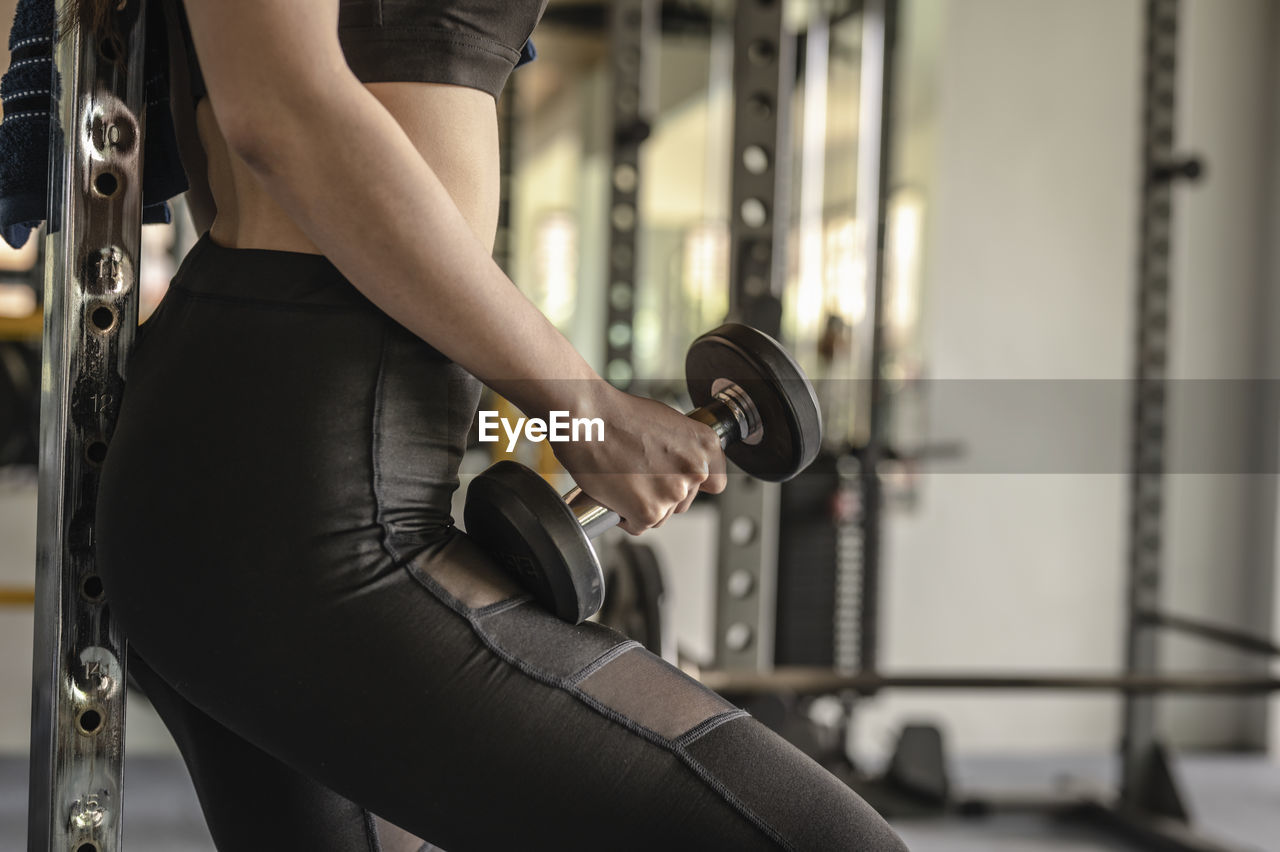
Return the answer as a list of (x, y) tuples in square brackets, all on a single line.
[(1236, 799)]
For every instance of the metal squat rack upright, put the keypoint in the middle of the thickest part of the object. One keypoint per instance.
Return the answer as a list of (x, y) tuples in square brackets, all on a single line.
[(763, 82), (632, 33), (91, 313), (763, 70), (759, 215)]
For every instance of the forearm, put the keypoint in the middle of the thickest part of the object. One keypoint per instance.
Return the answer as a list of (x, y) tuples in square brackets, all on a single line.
[(352, 180)]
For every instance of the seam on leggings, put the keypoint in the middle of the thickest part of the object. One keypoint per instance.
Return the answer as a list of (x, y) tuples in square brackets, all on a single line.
[(603, 660), (375, 442), (371, 831), (739, 805), (532, 671), (657, 739), (440, 592), (501, 606), (706, 726)]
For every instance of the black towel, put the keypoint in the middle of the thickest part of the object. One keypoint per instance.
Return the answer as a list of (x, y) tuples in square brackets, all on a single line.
[(26, 91)]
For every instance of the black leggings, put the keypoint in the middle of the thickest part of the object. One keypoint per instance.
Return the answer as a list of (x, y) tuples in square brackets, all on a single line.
[(274, 536)]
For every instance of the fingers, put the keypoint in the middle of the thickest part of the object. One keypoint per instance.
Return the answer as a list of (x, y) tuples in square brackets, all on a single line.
[(630, 529), (664, 518), (716, 478), (699, 465), (683, 505), (660, 510)]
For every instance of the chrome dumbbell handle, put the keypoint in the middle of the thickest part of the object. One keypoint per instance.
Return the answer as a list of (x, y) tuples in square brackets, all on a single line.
[(732, 415)]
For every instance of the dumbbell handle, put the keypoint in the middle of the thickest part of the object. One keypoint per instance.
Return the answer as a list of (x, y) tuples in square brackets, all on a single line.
[(731, 414)]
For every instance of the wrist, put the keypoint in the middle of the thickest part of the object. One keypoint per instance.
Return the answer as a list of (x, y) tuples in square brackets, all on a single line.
[(585, 398), (585, 402), (593, 398)]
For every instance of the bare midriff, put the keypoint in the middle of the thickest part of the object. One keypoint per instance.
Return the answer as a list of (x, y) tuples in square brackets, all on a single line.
[(454, 128)]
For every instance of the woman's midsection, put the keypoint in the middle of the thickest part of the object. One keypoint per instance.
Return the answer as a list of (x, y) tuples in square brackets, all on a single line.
[(454, 128)]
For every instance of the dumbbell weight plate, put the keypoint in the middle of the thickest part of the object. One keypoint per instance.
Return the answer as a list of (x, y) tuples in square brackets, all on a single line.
[(520, 519), (633, 576), (787, 404)]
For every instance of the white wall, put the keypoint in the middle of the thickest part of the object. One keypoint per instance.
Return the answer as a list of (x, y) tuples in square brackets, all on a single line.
[(1270, 316), (1028, 166), (1029, 163), (17, 569), (1219, 564)]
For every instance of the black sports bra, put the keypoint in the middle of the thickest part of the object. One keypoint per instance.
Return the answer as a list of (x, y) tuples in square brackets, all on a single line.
[(474, 43)]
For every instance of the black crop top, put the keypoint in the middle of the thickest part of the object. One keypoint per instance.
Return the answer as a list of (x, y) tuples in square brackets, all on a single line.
[(474, 43)]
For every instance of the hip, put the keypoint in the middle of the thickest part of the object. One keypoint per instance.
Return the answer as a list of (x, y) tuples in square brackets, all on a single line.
[(268, 401)]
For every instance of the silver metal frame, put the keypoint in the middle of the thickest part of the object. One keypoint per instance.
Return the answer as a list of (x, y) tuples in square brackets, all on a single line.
[(747, 540), (1146, 483), (855, 627), (91, 312), (873, 118), (763, 80), (633, 31)]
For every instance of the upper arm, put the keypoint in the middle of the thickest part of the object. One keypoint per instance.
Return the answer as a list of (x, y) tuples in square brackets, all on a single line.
[(263, 58)]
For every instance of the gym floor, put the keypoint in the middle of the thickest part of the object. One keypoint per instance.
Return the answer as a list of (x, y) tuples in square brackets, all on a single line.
[(1236, 800)]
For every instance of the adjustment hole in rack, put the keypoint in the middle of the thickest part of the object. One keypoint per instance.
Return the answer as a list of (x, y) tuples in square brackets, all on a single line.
[(91, 587), (738, 637), (106, 184), (761, 52), (89, 721), (754, 213), (87, 846), (755, 159), (742, 531), (620, 296), (760, 106), (96, 452), (103, 318), (108, 49)]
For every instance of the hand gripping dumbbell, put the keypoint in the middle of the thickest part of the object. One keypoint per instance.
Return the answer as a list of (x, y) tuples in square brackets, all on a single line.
[(747, 388)]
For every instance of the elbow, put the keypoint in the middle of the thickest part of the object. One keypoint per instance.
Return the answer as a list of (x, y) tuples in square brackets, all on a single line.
[(270, 129), (253, 135), (274, 128), (268, 126)]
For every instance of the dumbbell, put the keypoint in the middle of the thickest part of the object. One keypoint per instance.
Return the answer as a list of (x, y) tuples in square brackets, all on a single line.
[(747, 388)]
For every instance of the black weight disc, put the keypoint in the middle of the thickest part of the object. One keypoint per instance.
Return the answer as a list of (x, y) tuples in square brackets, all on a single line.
[(633, 576), (783, 395), (517, 517)]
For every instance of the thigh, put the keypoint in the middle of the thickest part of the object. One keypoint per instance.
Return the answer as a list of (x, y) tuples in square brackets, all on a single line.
[(443, 699), (250, 800)]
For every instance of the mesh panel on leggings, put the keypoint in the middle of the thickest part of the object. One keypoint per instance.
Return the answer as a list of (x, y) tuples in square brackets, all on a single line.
[(472, 581), (653, 694), (600, 666)]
